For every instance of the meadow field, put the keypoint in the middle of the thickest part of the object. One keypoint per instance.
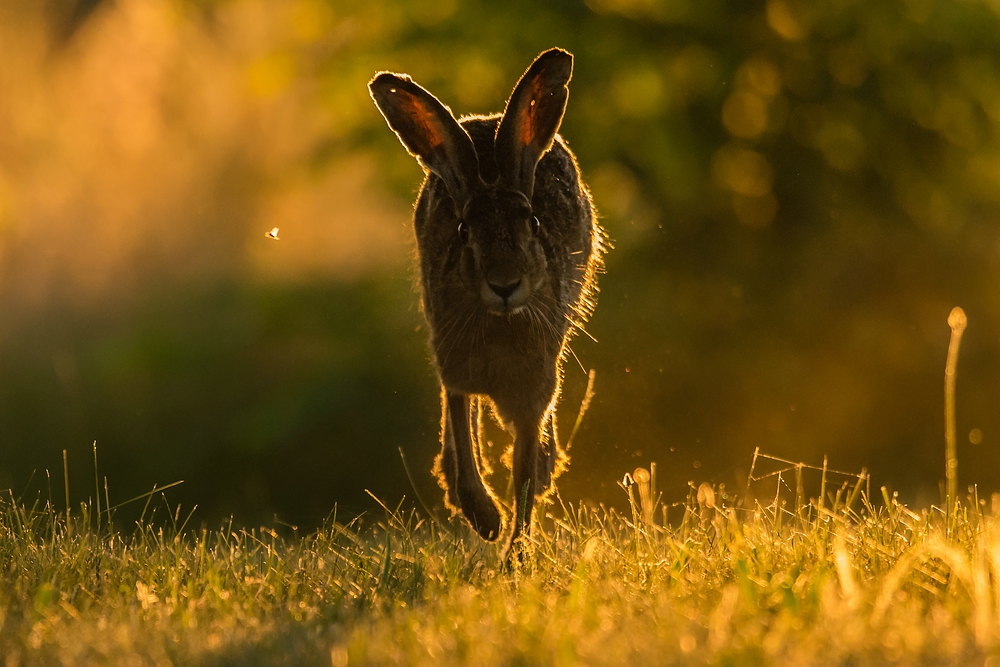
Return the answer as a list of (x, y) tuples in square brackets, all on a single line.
[(840, 579)]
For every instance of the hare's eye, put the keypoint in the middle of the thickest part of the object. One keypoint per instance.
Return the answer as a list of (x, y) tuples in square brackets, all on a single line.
[(535, 225), (463, 232)]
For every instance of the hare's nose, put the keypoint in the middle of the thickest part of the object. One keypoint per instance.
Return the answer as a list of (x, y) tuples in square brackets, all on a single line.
[(506, 288)]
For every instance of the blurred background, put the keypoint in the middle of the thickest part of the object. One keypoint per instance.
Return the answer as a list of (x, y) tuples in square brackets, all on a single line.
[(798, 194)]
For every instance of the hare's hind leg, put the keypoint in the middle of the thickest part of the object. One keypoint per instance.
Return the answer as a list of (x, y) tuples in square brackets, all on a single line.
[(446, 462), (467, 485)]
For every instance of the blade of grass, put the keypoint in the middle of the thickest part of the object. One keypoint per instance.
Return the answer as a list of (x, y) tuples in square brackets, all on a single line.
[(148, 495), (66, 483), (97, 490), (957, 321)]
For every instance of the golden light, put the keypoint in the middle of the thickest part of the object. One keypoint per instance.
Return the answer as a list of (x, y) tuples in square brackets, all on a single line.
[(744, 171), (744, 114), (760, 75), (784, 22), (841, 144), (847, 65), (157, 142), (639, 92)]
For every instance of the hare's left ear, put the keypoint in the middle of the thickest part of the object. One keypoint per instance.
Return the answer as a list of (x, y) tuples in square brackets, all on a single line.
[(532, 118)]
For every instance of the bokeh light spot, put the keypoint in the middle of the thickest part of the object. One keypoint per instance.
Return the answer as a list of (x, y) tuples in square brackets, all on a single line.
[(742, 170), (744, 114), (311, 20), (842, 145), (982, 175), (271, 75), (784, 22), (847, 65), (759, 75), (954, 119), (693, 72), (615, 188), (639, 92), (929, 205)]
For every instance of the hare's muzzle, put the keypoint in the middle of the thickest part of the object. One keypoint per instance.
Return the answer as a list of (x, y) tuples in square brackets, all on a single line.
[(504, 295)]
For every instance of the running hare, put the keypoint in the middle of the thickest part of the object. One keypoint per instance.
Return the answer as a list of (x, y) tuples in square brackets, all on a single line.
[(509, 251)]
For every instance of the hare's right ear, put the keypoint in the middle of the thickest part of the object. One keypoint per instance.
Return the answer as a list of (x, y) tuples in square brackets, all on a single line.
[(429, 132)]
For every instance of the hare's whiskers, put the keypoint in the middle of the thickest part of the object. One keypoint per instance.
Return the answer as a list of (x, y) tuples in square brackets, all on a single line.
[(580, 363), (535, 320), (460, 323), (543, 311), (449, 327), (482, 331), (579, 326)]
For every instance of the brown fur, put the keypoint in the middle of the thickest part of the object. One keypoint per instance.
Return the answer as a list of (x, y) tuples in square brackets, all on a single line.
[(509, 251)]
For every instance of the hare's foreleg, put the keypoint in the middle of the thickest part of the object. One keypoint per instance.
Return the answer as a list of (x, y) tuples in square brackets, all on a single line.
[(527, 457), (467, 484)]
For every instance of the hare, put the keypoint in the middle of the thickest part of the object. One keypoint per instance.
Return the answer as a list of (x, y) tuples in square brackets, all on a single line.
[(509, 249)]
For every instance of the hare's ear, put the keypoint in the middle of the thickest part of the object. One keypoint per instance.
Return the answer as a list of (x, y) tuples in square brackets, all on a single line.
[(532, 118), (429, 132)]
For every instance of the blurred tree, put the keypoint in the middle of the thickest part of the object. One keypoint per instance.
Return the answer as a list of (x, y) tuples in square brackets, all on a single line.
[(798, 193)]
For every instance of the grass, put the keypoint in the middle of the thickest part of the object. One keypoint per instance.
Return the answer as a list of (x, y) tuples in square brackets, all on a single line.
[(727, 581)]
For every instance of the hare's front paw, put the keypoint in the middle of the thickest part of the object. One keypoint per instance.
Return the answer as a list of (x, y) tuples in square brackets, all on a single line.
[(481, 512)]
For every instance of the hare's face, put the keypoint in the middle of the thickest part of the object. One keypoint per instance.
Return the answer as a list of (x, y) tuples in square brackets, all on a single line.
[(503, 261), (502, 265)]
